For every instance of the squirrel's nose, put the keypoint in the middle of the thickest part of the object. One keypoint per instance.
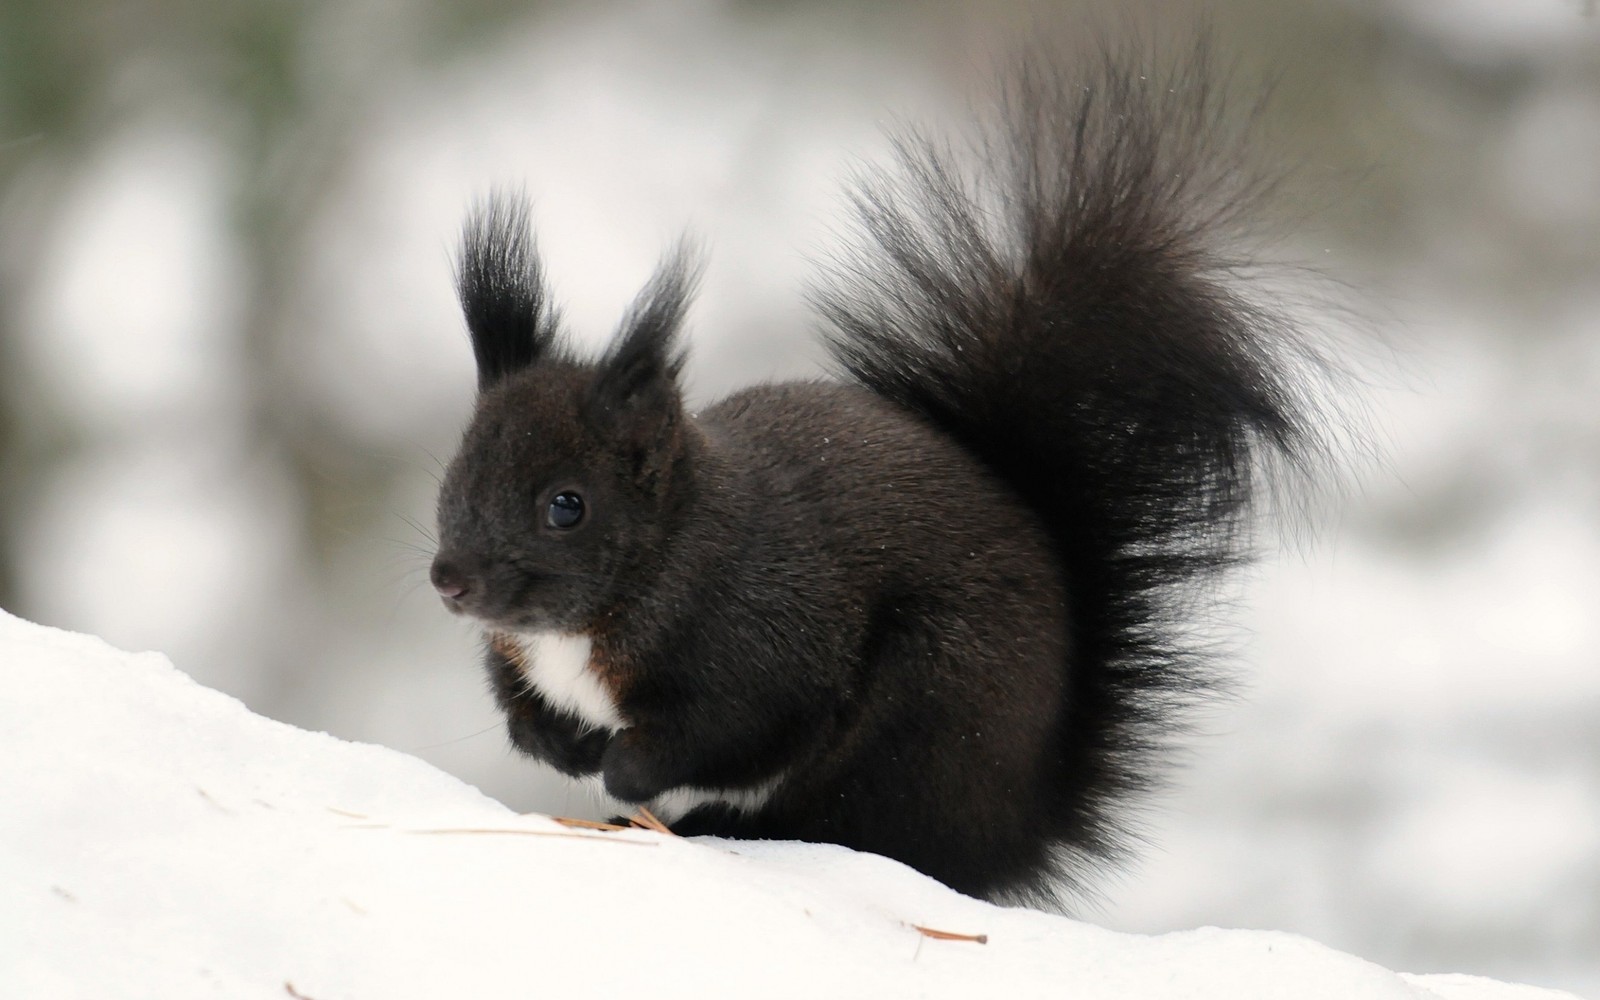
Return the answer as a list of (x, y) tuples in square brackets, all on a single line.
[(448, 579)]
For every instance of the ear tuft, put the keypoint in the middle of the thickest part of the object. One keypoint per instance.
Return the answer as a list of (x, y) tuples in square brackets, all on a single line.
[(644, 360), (501, 286)]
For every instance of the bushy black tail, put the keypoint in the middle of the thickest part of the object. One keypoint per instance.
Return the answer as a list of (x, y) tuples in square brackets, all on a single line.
[(1072, 312)]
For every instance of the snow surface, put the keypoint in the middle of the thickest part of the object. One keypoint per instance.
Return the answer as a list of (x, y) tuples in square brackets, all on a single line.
[(159, 840)]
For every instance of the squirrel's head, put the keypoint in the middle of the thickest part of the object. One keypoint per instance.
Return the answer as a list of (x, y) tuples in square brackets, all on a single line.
[(572, 474)]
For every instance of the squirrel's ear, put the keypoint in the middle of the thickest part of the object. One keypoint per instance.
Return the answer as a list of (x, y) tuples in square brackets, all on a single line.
[(501, 286), (639, 373)]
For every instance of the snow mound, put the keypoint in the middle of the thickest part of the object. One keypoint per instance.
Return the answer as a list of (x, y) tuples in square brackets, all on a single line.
[(157, 839)]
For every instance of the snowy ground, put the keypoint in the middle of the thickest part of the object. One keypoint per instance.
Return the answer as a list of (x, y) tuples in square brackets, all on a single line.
[(157, 839)]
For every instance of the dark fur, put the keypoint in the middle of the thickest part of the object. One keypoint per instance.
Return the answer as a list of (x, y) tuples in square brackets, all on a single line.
[(946, 602)]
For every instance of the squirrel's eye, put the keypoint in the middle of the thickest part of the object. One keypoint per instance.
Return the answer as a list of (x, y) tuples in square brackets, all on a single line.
[(566, 510)]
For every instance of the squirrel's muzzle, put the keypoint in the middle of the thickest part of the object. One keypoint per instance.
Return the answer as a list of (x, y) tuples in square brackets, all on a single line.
[(451, 581)]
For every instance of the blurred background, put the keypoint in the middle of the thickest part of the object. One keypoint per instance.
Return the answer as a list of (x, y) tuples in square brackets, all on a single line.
[(231, 367)]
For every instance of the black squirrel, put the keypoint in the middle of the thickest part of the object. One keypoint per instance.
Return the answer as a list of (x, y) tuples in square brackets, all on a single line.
[(942, 607)]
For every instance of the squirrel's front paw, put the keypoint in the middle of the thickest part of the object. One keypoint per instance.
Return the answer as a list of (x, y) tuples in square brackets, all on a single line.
[(632, 773), (559, 740)]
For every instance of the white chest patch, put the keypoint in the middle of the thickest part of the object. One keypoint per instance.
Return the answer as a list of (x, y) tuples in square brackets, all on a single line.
[(557, 666)]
